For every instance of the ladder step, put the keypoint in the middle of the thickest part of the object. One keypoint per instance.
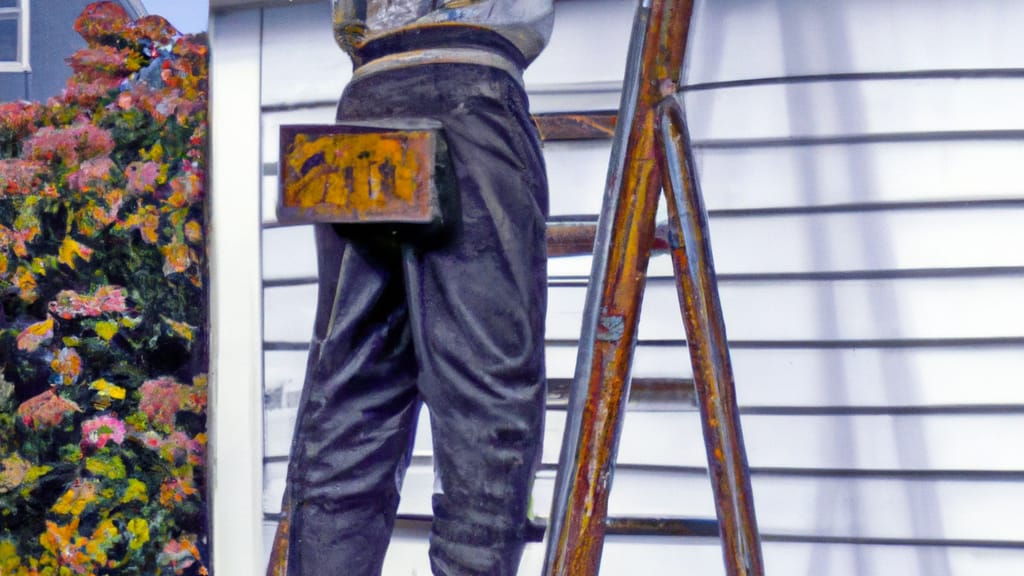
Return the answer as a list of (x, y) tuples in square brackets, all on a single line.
[(577, 238), (689, 527), (622, 526), (663, 393), (599, 125), (420, 523)]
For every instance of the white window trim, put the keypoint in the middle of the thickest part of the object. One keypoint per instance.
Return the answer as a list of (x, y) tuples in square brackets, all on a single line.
[(22, 64)]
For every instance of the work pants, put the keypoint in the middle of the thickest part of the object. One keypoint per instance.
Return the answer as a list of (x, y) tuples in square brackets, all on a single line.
[(458, 324)]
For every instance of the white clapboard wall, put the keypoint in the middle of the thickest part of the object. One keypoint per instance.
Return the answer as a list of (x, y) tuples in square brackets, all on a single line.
[(863, 165)]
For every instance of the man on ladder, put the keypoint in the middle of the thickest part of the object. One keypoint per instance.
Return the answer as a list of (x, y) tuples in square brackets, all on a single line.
[(458, 324)]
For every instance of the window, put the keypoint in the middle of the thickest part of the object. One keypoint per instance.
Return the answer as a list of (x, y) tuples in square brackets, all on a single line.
[(14, 35)]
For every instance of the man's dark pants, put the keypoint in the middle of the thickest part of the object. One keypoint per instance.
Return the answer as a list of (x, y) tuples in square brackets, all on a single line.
[(459, 326)]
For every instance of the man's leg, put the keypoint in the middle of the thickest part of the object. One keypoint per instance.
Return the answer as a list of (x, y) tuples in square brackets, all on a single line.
[(478, 307), (357, 416)]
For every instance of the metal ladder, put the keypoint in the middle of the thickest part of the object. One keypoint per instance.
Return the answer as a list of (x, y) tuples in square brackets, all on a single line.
[(650, 153)]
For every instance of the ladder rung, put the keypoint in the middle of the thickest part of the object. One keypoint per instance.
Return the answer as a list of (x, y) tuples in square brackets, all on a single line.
[(663, 393), (421, 523), (634, 526), (577, 238), (624, 526), (576, 125)]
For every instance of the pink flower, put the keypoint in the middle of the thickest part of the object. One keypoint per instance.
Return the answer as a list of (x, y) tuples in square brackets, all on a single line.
[(46, 410), (102, 62), (142, 177), (151, 440), (178, 555), (149, 100), (69, 304), (102, 20), (71, 145), (189, 185), (102, 429), (23, 237), (161, 400), (87, 93), (155, 28), (177, 448), (111, 299), (90, 173), (19, 118), (20, 177)]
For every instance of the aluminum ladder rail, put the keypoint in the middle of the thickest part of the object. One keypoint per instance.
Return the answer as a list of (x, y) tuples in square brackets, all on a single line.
[(650, 152)]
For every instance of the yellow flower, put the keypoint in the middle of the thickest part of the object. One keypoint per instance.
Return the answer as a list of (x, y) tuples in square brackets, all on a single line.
[(15, 468), (28, 483), (35, 335), (103, 537), (176, 491), (37, 472), (67, 365), (71, 248), (176, 258), (129, 322), (106, 329), (26, 283), (66, 547), (177, 200), (75, 500), (58, 537), (112, 468), (147, 221), (104, 388), (156, 153), (136, 490), (38, 265), (193, 231), (139, 529), (180, 328), (9, 559)]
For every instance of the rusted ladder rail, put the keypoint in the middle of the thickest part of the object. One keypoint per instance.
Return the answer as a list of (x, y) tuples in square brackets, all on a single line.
[(650, 153)]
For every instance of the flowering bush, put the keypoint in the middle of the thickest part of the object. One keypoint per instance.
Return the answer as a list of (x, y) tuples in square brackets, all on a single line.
[(102, 348)]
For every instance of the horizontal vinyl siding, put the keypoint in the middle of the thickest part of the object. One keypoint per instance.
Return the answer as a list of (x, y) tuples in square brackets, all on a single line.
[(767, 312), (937, 379), (924, 240), (860, 162)]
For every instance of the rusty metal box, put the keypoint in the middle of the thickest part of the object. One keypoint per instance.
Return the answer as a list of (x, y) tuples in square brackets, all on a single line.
[(394, 174)]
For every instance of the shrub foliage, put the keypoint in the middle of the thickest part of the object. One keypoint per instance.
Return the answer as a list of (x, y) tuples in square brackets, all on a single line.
[(102, 309)]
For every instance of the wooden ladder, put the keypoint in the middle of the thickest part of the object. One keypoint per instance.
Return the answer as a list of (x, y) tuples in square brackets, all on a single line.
[(650, 153)]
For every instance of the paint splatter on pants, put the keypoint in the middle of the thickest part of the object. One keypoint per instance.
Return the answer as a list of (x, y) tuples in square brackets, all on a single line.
[(459, 326)]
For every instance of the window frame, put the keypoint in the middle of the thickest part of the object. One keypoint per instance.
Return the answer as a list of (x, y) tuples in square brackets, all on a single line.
[(20, 13)]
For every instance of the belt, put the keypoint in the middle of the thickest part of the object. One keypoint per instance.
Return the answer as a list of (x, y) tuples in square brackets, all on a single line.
[(477, 56)]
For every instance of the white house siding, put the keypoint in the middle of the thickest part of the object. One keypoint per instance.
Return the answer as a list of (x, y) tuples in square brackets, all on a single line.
[(861, 162)]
